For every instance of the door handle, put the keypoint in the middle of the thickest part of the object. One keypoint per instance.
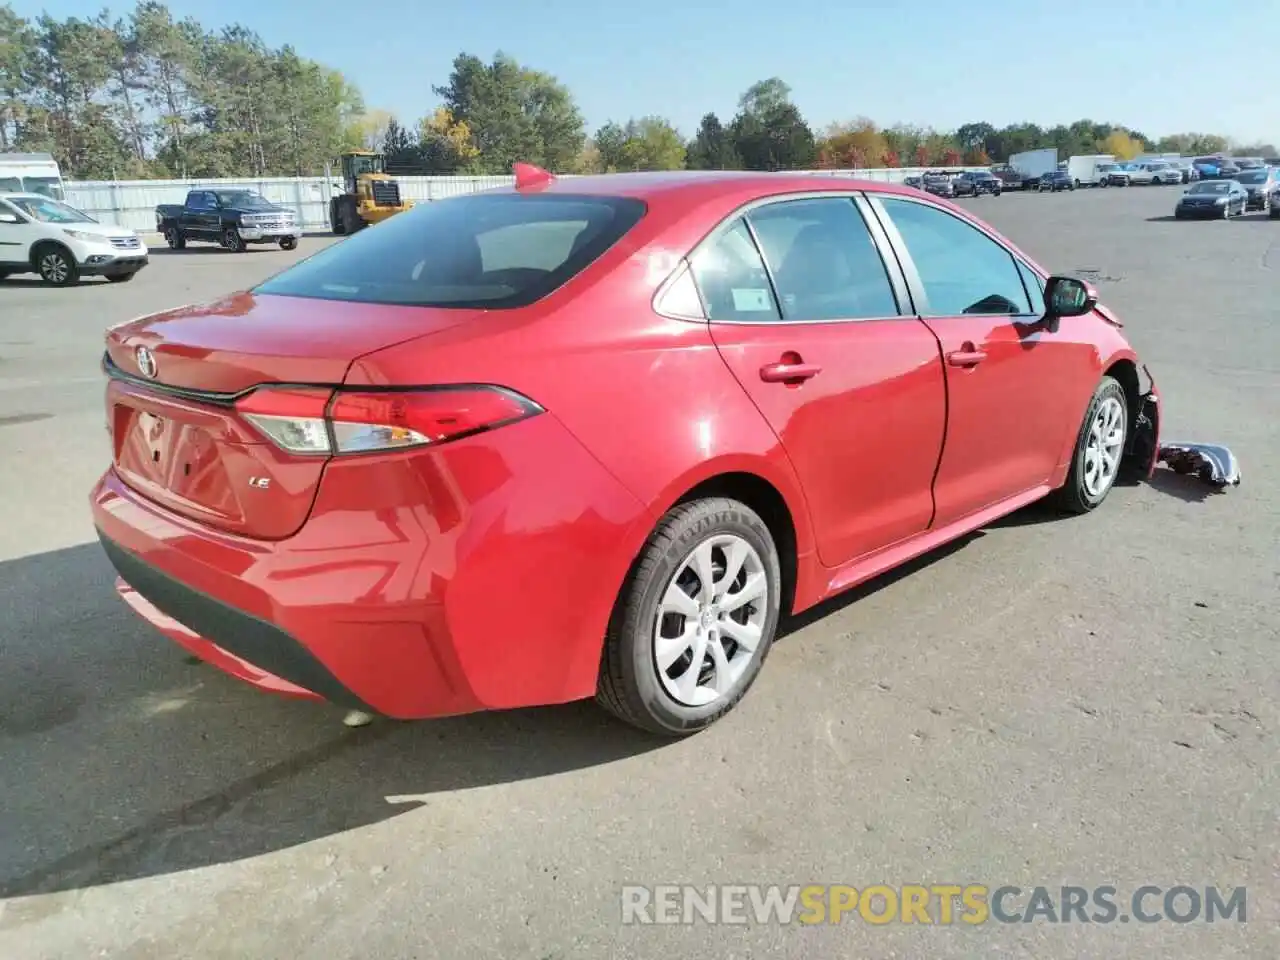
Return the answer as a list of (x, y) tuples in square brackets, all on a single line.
[(788, 372), (966, 358)]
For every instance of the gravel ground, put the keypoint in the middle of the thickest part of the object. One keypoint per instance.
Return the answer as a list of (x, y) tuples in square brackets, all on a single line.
[(1089, 701)]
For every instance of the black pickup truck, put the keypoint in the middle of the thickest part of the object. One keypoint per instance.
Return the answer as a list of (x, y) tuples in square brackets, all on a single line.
[(231, 218)]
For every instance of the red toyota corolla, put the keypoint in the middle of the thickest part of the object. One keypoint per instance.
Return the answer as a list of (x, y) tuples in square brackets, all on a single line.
[(595, 436)]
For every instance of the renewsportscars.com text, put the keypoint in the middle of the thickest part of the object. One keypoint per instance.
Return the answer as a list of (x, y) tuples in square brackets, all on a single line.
[(936, 904)]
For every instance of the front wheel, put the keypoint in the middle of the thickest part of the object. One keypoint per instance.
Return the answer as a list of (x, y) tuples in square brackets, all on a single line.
[(232, 241), (694, 621), (174, 238), (1099, 449), (56, 266), (288, 243)]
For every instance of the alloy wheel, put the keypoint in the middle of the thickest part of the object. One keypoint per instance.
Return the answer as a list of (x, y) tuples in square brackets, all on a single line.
[(54, 268), (710, 620), (1104, 447)]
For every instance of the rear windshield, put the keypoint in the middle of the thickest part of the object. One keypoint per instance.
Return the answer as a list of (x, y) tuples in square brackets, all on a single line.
[(1259, 176), (490, 251)]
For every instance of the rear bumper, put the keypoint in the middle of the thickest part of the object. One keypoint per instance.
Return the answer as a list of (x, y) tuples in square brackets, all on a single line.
[(467, 578)]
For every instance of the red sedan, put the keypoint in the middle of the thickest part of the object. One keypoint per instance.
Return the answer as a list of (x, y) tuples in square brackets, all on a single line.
[(594, 437)]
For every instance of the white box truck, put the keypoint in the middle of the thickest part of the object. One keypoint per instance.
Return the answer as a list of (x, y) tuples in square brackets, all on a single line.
[(1034, 164), (1084, 169), (31, 173)]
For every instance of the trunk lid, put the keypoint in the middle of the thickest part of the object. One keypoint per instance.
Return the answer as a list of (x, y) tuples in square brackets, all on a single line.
[(177, 438)]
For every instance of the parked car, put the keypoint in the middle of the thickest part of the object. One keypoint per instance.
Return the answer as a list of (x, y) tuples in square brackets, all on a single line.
[(1011, 179), (406, 495), (1248, 163), (939, 184), (1151, 172), (1262, 185), (1187, 170), (916, 182), (1055, 181), (1215, 168), (39, 234), (981, 182), (1212, 198), (231, 218)]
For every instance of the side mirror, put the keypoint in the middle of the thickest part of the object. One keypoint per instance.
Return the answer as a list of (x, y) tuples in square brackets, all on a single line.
[(6, 217), (1068, 297)]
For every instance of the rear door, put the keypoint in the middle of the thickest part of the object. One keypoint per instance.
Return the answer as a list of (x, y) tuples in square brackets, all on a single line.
[(1011, 382), (816, 328)]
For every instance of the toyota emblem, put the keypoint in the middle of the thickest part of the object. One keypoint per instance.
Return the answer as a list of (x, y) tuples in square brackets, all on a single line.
[(146, 363)]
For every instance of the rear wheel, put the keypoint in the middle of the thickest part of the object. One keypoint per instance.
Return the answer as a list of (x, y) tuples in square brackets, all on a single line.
[(336, 221), (56, 266), (1099, 449), (694, 621)]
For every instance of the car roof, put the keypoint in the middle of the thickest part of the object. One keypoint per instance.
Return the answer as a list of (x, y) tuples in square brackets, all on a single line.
[(701, 185), (24, 196)]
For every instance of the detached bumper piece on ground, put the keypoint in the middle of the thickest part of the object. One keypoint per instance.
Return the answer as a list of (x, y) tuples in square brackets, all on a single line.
[(1212, 463)]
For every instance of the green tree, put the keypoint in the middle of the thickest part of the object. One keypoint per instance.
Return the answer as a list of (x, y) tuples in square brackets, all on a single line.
[(769, 132), (712, 147), (514, 113), (649, 143), (17, 48)]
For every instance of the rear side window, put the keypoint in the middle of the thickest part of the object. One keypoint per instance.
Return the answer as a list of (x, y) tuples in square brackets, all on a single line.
[(490, 251), (732, 278)]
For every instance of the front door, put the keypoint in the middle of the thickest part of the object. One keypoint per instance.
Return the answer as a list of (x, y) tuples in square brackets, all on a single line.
[(808, 318), (1011, 382)]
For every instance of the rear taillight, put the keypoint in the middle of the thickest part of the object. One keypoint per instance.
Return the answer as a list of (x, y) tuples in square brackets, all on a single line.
[(321, 422)]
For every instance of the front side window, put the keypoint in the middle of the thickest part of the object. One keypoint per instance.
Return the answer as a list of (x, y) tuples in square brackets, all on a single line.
[(1035, 288), (963, 270), (489, 251), (50, 211), (824, 264)]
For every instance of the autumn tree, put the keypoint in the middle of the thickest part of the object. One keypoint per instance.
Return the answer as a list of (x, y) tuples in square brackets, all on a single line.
[(857, 143), (1121, 145)]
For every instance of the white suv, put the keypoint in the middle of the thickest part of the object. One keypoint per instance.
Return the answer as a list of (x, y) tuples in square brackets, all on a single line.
[(41, 235), (1155, 172)]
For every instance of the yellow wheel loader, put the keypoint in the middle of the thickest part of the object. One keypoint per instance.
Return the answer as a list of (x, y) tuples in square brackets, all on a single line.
[(369, 194)]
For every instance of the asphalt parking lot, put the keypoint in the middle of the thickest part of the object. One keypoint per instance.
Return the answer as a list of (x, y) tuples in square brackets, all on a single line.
[(1052, 701)]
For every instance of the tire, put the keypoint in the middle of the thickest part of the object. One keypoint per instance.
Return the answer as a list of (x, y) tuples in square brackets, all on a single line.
[(174, 238), (335, 217), (1084, 489), (232, 241), (55, 264), (1226, 211), (121, 277), (289, 243), (631, 686)]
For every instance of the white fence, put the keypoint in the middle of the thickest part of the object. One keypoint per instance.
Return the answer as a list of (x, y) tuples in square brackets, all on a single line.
[(132, 203)]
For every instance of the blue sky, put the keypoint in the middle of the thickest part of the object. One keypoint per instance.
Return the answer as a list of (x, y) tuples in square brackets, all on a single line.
[(1178, 67)]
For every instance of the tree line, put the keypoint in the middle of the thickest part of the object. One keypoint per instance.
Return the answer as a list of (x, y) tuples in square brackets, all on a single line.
[(148, 96)]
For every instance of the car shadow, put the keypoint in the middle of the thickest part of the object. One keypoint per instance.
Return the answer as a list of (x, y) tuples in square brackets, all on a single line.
[(834, 605), (35, 281), (1185, 487), (122, 759)]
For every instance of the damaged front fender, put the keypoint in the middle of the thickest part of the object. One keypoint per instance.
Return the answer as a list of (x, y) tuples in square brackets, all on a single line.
[(1143, 451)]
